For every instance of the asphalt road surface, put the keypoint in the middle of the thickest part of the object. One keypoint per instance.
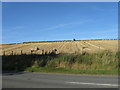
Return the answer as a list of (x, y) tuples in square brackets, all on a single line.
[(45, 80)]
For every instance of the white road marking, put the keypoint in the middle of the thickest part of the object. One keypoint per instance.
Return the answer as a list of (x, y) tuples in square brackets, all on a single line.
[(93, 84)]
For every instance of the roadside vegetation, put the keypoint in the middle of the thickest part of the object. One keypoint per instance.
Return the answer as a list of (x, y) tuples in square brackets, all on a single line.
[(105, 62)]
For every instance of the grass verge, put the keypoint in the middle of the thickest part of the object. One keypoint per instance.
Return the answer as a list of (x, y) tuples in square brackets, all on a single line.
[(71, 71), (97, 63)]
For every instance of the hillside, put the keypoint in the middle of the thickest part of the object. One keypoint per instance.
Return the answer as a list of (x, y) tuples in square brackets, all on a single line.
[(89, 46)]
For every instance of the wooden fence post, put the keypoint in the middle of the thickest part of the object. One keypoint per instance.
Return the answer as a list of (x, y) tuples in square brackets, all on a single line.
[(46, 52), (31, 52), (12, 52), (43, 51), (4, 53), (21, 52)]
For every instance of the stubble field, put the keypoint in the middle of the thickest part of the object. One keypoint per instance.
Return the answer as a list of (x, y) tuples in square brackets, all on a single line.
[(89, 46)]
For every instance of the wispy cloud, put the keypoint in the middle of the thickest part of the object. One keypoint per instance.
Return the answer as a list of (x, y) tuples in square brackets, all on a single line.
[(107, 31), (62, 25), (14, 28), (17, 27), (96, 8), (111, 33), (65, 24), (100, 9)]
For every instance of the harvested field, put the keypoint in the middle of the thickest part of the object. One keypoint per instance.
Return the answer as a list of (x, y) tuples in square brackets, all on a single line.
[(82, 46)]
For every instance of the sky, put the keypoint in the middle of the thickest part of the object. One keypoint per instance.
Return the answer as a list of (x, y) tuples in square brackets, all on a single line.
[(51, 21)]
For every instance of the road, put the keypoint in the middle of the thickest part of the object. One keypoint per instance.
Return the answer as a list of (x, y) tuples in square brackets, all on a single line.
[(49, 80)]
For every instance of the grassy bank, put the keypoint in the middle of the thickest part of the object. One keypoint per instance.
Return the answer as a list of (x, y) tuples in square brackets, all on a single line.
[(98, 63), (71, 71)]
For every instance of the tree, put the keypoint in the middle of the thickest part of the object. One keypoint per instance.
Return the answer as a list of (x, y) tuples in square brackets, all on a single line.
[(74, 39)]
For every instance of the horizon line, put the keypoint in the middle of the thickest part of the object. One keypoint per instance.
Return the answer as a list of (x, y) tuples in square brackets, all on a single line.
[(60, 41)]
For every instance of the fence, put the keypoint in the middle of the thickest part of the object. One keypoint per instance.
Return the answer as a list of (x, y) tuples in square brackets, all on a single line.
[(21, 52)]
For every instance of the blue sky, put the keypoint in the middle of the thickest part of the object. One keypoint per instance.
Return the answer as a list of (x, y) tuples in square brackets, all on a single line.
[(50, 21)]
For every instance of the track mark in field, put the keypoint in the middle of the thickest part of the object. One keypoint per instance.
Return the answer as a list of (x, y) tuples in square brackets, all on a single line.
[(60, 46), (95, 45), (74, 48), (99, 84), (79, 49), (17, 47), (84, 45)]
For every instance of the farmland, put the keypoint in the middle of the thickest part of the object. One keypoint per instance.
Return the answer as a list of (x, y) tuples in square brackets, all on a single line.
[(89, 46), (70, 57)]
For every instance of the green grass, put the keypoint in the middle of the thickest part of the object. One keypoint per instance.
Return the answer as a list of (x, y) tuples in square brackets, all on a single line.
[(105, 62), (71, 71)]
